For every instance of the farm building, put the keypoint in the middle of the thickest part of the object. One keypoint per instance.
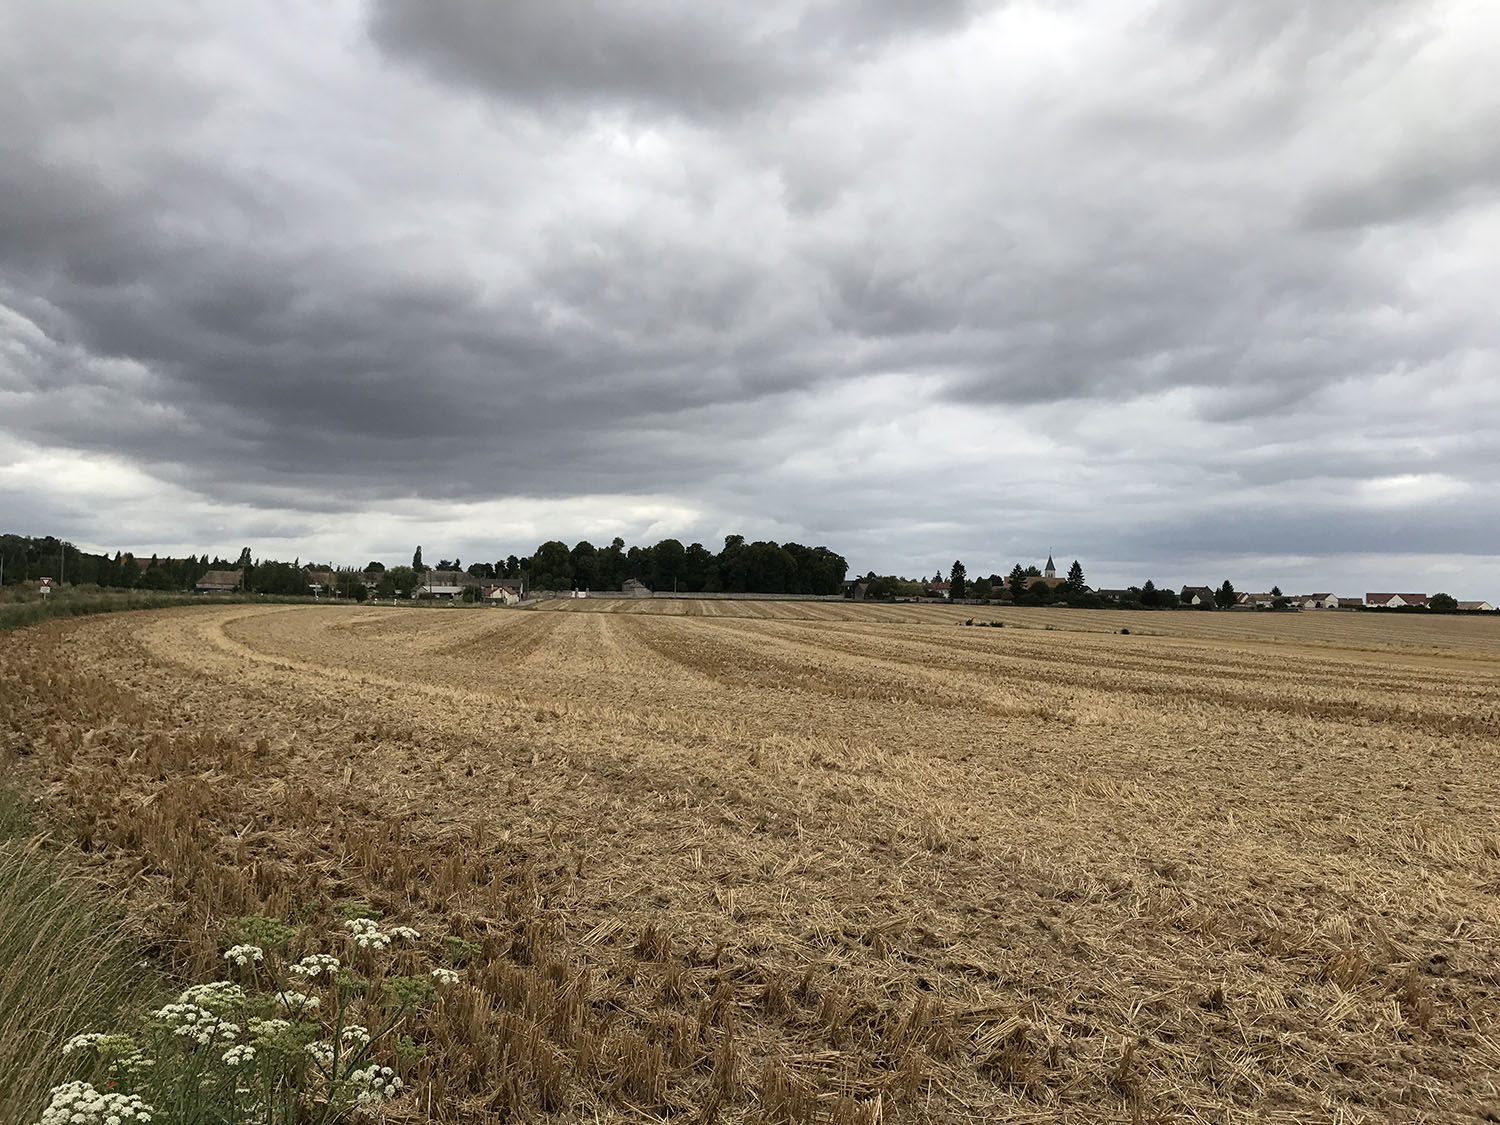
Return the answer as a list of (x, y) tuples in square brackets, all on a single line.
[(1483, 607), (444, 584), (1395, 601), (635, 588), (218, 582)]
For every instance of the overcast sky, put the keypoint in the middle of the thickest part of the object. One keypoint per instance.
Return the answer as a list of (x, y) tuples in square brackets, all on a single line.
[(1185, 290)]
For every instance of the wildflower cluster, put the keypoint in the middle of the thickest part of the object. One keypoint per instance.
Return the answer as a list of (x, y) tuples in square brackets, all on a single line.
[(294, 1038), (197, 1024), (241, 1054), (375, 1082), (244, 955), (314, 966), (219, 996), (367, 934), (297, 1001), (78, 1103)]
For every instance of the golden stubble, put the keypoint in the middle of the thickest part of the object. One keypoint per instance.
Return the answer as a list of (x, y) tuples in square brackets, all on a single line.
[(802, 862)]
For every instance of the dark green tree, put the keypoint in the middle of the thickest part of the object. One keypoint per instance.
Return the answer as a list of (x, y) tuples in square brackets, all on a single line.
[(416, 559), (1017, 583), (585, 559), (1150, 595), (983, 589), (552, 567), (1442, 603), (1224, 595), (403, 579), (668, 565), (1075, 577), (958, 581)]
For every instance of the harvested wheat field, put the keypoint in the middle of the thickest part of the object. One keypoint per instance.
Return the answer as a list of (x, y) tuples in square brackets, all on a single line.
[(810, 862)]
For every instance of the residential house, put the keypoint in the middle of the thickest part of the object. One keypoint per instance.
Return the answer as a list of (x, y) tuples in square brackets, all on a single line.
[(1112, 595), (1471, 607), (321, 583), (1349, 601), (219, 582), (501, 591), (1255, 601), (1395, 601), (939, 589), (1316, 601), (1197, 595)]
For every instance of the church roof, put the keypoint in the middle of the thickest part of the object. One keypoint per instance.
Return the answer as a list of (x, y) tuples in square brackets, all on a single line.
[(1050, 564)]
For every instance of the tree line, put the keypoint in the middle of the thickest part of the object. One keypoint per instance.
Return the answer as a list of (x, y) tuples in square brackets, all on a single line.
[(760, 567)]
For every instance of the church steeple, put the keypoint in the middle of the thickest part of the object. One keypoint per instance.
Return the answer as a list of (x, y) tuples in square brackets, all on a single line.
[(1051, 571)]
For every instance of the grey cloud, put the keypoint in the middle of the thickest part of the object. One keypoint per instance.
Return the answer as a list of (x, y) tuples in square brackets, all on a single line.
[(697, 60), (264, 289)]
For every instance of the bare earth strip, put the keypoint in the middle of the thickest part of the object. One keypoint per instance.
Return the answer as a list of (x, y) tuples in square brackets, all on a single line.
[(817, 862)]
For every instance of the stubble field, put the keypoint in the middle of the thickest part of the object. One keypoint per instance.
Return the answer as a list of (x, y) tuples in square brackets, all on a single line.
[(809, 862)]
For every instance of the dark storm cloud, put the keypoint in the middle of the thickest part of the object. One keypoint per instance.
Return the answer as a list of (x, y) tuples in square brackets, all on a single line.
[(697, 60), (987, 273)]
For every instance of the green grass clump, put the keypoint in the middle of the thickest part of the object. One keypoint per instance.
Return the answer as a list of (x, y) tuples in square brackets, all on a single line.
[(65, 964)]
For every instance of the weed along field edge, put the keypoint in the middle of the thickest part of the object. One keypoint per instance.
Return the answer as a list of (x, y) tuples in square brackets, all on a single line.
[(809, 862)]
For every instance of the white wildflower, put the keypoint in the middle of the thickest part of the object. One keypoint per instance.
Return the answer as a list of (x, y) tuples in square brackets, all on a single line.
[(367, 933), (405, 933), (82, 1042), (296, 1001), (243, 955), (217, 996), (315, 965), (78, 1103), (321, 1053), (445, 977), (375, 1082), (268, 1027), (356, 1034), (239, 1055), (197, 1023)]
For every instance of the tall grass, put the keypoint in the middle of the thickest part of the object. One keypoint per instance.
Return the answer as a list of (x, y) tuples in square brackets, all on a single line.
[(66, 966)]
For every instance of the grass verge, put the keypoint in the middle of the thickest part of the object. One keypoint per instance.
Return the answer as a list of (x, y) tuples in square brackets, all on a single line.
[(66, 965)]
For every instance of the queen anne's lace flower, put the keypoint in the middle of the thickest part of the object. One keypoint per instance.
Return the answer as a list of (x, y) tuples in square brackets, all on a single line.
[(296, 1001), (367, 933), (374, 1082), (78, 1103), (315, 965), (405, 933), (218, 996), (243, 955), (239, 1055), (196, 1023), (321, 1052), (356, 1034), (82, 1042), (445, 977)]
